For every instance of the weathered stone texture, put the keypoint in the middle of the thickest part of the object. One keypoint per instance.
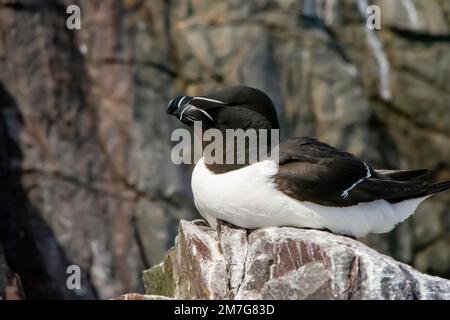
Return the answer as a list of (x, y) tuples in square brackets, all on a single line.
[(85, 151), (283, 263)]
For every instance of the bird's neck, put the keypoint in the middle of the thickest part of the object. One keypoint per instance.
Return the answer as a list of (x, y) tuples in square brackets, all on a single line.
[(238, 148)]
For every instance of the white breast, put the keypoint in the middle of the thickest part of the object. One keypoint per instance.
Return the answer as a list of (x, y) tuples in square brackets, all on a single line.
[(248, 198)]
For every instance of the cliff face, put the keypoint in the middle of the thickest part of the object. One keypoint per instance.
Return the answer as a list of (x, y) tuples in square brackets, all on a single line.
[(85, 169), (283, 263)]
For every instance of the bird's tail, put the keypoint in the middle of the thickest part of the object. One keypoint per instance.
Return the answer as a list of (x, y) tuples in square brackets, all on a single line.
[(407, 206), (438, 187)]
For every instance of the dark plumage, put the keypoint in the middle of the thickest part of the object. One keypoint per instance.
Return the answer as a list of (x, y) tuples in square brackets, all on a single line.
[(314, 171), (323, 187)]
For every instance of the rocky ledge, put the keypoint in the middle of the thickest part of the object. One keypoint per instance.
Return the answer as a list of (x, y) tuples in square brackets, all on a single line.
[(282, 263)]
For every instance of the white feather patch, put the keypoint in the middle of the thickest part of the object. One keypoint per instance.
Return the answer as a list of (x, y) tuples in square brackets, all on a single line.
[(248, 198)]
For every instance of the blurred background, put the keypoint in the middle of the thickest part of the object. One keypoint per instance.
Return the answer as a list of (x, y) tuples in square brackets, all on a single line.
[(85, 170)]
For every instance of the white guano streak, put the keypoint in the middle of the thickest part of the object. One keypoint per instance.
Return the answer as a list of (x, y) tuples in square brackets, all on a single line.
[(325, 10), (413, 18), (378, 53), (344, 193)]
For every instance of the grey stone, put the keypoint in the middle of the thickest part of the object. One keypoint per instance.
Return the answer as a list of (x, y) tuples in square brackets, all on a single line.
[(283, 263), (90, 181)]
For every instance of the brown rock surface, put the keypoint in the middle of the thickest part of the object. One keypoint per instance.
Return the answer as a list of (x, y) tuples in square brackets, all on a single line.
[(85, 169), (283, 263)]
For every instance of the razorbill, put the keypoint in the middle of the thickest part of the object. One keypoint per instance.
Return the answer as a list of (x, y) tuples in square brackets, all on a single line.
[(311, 185)]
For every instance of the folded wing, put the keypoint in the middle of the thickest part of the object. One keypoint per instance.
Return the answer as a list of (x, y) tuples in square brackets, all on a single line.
[(313, 171)]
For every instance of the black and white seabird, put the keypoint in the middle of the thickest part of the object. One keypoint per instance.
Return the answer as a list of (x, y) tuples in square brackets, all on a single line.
[(313, 185)]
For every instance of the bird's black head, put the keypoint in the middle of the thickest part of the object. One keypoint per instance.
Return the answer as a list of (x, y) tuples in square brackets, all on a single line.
[(236, 107)]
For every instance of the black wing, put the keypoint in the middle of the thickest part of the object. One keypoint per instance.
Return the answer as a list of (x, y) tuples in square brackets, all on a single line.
[(402, 175), (313, 171)]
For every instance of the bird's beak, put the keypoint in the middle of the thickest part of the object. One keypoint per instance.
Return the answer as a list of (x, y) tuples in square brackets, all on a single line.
[(177, 105)]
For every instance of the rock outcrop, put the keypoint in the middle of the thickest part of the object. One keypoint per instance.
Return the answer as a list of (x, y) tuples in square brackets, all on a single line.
[(138, 296), (282, 263), (85, 170)]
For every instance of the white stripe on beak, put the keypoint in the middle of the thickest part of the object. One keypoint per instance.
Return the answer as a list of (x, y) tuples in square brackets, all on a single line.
[(206, 114), (181, 100), (190, 106)]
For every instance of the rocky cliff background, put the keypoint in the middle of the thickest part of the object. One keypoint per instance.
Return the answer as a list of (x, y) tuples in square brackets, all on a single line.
[(85, 170)]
